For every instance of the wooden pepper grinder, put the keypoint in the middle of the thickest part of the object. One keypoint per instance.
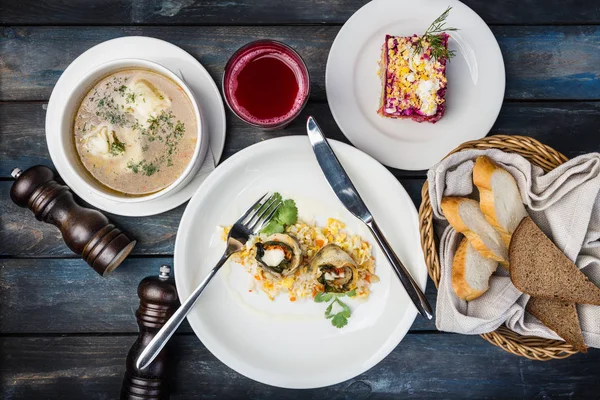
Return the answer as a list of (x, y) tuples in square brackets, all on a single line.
[(158, 301), (85, 231)]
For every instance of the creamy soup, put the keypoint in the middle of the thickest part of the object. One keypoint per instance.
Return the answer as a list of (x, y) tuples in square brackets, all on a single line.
[(135, 131)]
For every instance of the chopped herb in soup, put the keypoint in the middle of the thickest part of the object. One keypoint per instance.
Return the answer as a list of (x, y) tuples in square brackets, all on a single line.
[(135, 131)]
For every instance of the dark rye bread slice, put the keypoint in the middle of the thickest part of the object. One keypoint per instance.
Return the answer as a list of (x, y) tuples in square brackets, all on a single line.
[(561, 317), (540, 269)]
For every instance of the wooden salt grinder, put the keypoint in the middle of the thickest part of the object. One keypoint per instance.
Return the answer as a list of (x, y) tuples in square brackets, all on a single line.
[(85, 231), (158, 301)]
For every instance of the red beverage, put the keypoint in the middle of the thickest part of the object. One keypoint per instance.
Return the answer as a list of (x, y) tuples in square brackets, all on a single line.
[(266, 84)]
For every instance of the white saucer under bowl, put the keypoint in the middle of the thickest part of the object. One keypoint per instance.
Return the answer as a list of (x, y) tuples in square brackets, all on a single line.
[(169, 56)]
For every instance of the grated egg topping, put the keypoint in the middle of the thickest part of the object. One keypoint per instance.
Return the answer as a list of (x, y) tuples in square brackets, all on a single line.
[(413, 80)]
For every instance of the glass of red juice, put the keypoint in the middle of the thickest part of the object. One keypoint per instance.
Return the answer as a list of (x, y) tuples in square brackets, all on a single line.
[(266, 84)]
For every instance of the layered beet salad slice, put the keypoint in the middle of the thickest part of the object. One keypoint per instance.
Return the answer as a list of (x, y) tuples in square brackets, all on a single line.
[(413, 74)]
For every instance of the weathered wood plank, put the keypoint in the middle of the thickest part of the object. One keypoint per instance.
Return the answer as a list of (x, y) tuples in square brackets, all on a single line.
[(215, 12), (66, 296), (570, 128), (430, 366), (567, 126), (52, 49), (22, 136), (548, 63), (21, 235), (543, 62)]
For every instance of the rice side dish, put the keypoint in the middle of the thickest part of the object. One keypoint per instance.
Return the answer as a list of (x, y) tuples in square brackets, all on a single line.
[(308, 279), (304, 260)]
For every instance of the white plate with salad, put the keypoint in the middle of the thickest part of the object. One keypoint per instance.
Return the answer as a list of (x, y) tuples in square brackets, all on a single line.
[(310, 302), (471, 91)]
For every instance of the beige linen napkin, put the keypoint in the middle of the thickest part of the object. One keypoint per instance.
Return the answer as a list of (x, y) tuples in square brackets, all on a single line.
[(564, 203)]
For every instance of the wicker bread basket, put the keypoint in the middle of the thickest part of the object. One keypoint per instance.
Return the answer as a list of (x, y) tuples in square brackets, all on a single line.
[(534, 348)]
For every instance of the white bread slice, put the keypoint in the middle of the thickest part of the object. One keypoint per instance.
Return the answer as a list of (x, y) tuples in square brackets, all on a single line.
[(499, 197), (466, 217), (471, 272)]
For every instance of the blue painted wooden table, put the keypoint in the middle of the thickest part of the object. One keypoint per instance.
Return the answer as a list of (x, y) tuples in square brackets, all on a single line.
[(65, 332)]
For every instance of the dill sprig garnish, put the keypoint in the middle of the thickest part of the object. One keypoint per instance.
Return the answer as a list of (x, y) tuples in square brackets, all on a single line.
[(116, 147), (432, 35)]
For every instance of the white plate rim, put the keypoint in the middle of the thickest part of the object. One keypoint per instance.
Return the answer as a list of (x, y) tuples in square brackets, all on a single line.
[(215, 124), (180, 244), (394, 159)]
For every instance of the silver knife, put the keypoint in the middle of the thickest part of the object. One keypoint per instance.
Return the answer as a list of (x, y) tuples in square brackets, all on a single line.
[(348, 195)]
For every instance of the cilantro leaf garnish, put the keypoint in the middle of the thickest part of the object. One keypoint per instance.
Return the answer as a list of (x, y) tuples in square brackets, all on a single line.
[(340, 318), (328, 313), (346, 312), (273, 226), (277, 196), (286, 215), (339, 321), (288, 212), (323, 297)]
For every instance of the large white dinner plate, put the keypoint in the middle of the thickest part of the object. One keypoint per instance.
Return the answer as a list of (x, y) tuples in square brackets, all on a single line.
[(169, 56), (281, 343), (475, 82)]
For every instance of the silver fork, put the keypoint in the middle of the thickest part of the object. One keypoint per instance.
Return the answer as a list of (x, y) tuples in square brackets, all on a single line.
[(259, 214)]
